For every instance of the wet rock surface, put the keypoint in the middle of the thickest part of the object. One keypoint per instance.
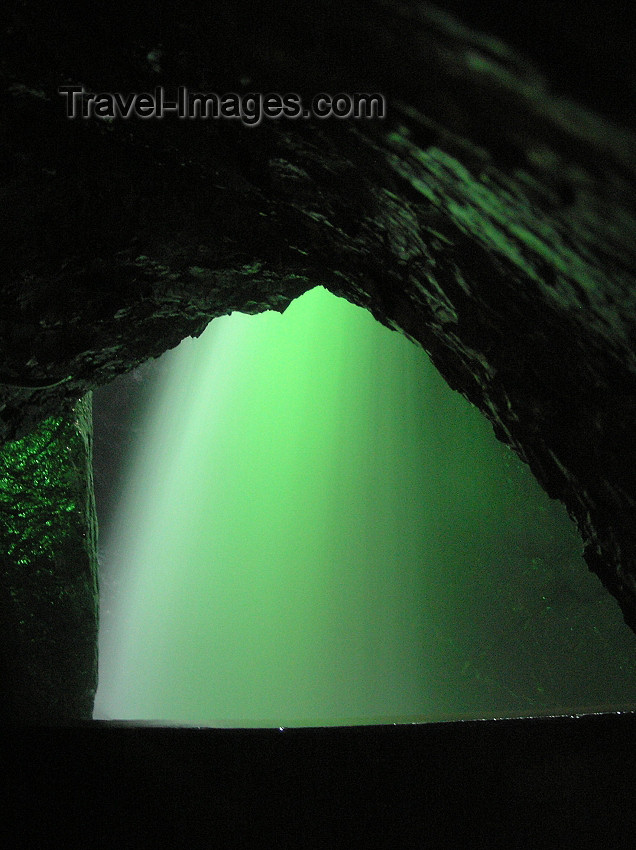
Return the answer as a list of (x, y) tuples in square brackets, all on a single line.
[(48, 572)]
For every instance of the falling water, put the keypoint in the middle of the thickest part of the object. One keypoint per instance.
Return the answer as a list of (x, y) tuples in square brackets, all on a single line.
[(314, 529)]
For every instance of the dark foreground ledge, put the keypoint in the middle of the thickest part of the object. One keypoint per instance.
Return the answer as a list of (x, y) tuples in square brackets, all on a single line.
[(542, 782)]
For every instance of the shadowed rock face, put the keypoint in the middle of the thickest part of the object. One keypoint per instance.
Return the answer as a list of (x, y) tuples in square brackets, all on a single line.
[(48, 579), (488, 218)]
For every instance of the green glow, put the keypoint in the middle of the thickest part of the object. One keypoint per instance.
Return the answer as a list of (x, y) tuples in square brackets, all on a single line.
[(35, 501), (48, 574), (491, 214), (312, 531)]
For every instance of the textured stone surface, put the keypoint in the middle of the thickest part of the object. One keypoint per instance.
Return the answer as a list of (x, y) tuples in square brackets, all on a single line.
[(488, 218), (48, 579)]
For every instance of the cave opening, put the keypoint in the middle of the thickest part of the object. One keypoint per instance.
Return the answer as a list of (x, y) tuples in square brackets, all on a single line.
[(302, 525)]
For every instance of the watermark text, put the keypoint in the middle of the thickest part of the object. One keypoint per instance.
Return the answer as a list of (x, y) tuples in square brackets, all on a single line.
[(250, 108)]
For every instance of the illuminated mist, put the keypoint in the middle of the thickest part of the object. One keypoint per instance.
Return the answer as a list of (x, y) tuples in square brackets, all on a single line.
[(315, 529)]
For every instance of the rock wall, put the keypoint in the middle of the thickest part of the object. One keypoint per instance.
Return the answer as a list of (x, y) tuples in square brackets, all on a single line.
[(48, 579)]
